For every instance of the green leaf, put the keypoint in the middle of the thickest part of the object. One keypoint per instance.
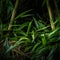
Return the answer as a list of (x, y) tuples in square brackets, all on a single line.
[(52, 52), (43, 28), (27, 48), (43, 50), (20, 41), (29, 27), (41, 25), (35, 46), (33, 36), (21, 27), (26, 15), (53, 32), (44, 41), (23, 38), (13, 46), (23, 14), (6, 43), (36, 23), (23, 33), (10, 48), (44, 1)]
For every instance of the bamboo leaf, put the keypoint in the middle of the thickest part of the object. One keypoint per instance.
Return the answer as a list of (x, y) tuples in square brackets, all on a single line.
[(53, 32), (29, 27), (27, 48), (23, 14), (44, 41), (51, 52), (35, 46), (36, 23), (33, 36)]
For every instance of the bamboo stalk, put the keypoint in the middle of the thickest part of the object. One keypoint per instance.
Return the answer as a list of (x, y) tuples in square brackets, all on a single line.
[(50, 15), (13, 15)]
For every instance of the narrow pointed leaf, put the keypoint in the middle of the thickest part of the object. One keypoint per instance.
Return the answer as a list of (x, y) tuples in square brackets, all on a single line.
[(29, 27)]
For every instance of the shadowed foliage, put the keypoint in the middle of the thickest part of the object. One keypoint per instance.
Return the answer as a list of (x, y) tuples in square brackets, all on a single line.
[(29, 30)]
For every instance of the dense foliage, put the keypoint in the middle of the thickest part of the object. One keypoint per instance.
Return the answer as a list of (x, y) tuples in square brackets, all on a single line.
[(29, 29)]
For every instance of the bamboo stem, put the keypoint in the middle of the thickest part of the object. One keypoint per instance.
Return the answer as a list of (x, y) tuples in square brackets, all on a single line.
[(13, 15), (50, 15)]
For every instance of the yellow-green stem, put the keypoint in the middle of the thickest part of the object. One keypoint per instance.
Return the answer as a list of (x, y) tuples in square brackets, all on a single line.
[(50, 14), (13, 15)]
